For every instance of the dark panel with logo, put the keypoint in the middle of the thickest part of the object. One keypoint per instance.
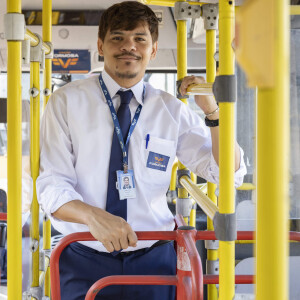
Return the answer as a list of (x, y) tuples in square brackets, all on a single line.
[(71, 61)]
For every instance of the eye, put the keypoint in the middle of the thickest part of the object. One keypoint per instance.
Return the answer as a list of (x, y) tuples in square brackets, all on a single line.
[(116, 38), (140, 39)]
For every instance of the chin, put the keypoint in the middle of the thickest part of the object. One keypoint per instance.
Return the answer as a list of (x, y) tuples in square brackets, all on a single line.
[(126, 74)]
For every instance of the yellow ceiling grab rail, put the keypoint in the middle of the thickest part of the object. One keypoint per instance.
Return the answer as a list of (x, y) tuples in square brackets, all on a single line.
[(201, 199), (34, 41), (169, 3)]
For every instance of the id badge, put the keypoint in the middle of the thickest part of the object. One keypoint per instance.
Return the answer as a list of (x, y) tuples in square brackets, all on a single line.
[(126, 184)]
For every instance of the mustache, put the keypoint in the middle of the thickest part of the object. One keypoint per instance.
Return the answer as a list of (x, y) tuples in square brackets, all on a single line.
[(127, 54)]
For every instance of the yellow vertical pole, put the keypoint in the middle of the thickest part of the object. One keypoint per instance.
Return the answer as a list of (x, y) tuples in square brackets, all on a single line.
[(272, 167), (14, 163), (47, 37), (34, 162), (193, 216), (227, 138), (181, 73), (212, 255)]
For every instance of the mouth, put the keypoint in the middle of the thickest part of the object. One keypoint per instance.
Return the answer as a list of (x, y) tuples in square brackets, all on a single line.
[(127, 58)]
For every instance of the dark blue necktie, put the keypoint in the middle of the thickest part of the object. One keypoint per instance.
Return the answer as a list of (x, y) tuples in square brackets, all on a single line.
[(114, 205)]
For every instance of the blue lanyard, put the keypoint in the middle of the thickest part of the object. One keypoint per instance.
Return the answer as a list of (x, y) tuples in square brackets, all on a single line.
[(117, 125)]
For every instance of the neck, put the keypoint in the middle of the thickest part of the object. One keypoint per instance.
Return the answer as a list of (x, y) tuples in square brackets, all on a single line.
[(125, 82)]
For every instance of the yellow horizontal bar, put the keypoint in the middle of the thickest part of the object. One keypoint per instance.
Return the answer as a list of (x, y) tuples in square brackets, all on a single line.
[(175, 200), (201, 199), (43, 273), (169, 3), (295, 9), (247, 187), (245, 242), (254, 241), (200, 89), (34, 40)]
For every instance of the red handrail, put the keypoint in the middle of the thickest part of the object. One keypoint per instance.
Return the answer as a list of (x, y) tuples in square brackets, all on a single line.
[(129, 280), (241, 235), (3, 216), (187, 238), (196, 266), (239, 279)]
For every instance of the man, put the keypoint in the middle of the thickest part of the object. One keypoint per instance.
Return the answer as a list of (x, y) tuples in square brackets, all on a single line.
[(126, 183), (81, 158)]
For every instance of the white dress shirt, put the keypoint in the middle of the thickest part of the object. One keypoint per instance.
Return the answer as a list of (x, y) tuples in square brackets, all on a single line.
[(76, 137)]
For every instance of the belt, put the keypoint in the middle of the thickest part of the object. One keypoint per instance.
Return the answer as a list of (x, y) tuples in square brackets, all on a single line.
[(157, 244)]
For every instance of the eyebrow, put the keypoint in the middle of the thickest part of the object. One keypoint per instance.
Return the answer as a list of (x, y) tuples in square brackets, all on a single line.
[(122, 33)]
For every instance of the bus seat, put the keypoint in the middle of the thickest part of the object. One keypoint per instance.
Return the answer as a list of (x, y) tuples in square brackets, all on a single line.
[(247, 266), (245, 215)]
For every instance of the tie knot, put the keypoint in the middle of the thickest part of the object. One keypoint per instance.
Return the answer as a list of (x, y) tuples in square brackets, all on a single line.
[(125, 96)]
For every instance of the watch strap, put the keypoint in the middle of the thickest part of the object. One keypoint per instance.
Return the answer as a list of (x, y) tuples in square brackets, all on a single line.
[(211, 123)]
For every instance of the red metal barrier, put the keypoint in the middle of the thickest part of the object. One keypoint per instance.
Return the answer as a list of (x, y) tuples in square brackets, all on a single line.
[(129, 280), (3, 216), (241, 235), (239, 279), (183, 237), (189, 282)]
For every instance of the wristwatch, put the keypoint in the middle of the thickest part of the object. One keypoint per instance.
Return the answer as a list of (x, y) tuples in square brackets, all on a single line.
[(211, 123)]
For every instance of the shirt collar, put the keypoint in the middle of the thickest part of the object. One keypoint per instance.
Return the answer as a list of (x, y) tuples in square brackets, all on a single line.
[(113, 87)]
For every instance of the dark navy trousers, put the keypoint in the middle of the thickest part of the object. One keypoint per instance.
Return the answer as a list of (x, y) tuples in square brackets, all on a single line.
[(80, 267)]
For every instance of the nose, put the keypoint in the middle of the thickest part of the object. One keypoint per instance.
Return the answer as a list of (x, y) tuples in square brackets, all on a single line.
[(128, 45)]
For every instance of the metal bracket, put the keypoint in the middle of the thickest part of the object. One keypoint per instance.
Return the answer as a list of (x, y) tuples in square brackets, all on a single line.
[(36, 51), (217, 56), (34, 92), (26, 52), (184, 206), (34, 245), (184, 11), (211, 245), (51, 54), (14, 26), (34, 292), (210, 15), (45, 216), (46, 92), (212, 267), (42, 64), (178, 84), (171, 195), (225, 227), (181, 173), (42, 261), (224, 88), (47, 253)]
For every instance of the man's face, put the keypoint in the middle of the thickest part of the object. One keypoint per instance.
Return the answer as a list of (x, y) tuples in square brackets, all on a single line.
[(126, 181), (127, 53)]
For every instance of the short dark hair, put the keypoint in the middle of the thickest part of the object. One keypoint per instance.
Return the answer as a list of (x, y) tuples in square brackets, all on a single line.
[(128, 15)]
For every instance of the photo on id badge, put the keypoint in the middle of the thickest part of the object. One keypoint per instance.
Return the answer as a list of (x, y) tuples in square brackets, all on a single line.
[(126, 185)]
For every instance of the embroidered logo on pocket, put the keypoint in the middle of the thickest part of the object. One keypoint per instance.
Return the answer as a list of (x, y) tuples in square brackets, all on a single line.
[(157, 161)]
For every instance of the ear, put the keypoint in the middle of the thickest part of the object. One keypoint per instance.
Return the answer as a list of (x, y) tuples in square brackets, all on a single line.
[(100, 47), (154, 50)]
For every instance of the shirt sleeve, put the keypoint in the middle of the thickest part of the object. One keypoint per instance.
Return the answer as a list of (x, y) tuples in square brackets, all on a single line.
[(194, 148), (57, 179)]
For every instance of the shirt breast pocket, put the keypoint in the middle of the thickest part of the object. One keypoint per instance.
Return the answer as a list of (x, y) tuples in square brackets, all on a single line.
[(158, 156)]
